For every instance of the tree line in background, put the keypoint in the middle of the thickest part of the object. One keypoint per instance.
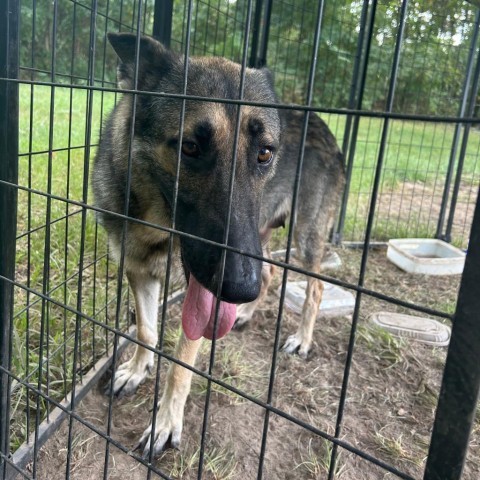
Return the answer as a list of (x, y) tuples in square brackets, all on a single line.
[(433, 62)]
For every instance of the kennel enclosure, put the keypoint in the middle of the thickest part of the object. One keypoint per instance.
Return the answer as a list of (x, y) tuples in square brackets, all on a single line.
[(410, 140)]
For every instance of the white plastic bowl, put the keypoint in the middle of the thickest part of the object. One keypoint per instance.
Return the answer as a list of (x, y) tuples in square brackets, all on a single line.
[(426, 256)]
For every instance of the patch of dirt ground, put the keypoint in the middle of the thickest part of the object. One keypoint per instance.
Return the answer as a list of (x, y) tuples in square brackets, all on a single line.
[(415, 207), (388, 413)]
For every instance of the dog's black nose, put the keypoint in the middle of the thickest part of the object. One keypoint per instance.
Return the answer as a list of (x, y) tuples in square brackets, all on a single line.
[(242, 279)]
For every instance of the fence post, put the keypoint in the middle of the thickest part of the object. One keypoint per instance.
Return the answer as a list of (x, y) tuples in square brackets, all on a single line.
[(463, 151), (458, 127), (262, 56), (162, 21), (457, 404), (256, 31), (260, 33), (369, 228), (8, 204), (356, 99)]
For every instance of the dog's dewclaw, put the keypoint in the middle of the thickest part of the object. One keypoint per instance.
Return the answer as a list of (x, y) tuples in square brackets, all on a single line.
[(198, 315)]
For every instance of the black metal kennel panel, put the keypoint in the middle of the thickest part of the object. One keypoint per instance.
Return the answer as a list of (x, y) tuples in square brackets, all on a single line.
[(56, 55), (424, 164), (397, 82)]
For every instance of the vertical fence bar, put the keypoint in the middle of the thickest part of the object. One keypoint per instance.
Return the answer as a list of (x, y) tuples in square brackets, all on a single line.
[(463, 151), (162, 21), (121, 262), (228, 216), (457, 404), (356, 78), (256, 32), (356, 98), (44, 340), (298, 174), (77, 360), (368, 232), (263, 49), (458, 127), (8, 204)]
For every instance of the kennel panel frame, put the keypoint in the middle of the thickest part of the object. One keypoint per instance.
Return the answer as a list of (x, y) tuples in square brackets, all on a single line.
[(459, 394), (268, 408), (373, 57), (9, 25)]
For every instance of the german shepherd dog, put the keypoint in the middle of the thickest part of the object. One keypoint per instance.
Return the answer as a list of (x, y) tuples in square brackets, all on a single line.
[(264, 174)]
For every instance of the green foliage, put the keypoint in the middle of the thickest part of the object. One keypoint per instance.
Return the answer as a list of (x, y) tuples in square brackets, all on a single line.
[(56, 337), (432, 62), (63, 47)]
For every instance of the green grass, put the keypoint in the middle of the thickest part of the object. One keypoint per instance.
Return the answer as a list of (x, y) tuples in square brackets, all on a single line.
[(316, 459), (219, 462), (395, 447), (417, 153), (234, 367), (59, 264), (385, 348)]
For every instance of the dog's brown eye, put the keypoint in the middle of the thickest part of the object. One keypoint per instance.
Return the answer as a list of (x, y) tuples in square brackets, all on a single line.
[(265, 154), (190, 149)]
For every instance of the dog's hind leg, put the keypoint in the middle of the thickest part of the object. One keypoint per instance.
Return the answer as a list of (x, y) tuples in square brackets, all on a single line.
[(131, 374), (169, 419), (310, 242), (301, 341)]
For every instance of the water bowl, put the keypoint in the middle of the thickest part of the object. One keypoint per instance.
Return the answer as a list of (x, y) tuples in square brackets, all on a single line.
[(426, 256)]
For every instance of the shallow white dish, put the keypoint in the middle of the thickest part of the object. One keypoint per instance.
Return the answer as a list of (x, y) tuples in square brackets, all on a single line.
[(426, 256)]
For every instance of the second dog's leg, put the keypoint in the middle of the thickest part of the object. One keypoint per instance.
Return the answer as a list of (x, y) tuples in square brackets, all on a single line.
[(302, 339), (130, 374), (169, 420)]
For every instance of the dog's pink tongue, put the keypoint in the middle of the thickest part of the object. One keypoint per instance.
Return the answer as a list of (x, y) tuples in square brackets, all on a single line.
[(198, 315)]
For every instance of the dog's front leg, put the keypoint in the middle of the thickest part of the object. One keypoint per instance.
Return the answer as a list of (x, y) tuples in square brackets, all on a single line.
[(130, 374), (169, 419)]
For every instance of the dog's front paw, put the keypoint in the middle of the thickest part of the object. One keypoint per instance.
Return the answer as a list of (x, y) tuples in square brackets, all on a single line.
[(168, 431), (129, 376), (244, 315), (297, 344)]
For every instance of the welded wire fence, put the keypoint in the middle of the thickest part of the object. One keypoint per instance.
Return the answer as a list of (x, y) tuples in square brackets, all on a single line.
[(411, 145), (358, 38)]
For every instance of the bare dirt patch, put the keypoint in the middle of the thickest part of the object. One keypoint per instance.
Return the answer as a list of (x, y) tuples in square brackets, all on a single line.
[(413, 209), (388, 413)]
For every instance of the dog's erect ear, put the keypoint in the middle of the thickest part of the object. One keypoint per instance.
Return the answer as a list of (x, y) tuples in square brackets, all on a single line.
[(153, 57), (265, 88), (269, 75)]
